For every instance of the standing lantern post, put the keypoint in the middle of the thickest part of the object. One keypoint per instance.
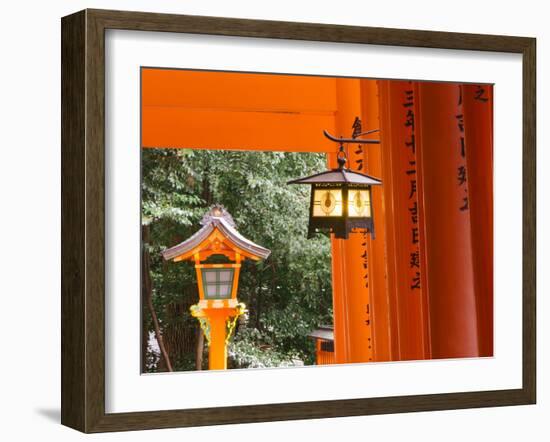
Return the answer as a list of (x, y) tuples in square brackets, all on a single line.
[(218, 250)]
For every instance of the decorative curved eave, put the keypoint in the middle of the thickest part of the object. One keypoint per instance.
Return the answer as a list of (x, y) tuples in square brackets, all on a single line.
[(254, 251)]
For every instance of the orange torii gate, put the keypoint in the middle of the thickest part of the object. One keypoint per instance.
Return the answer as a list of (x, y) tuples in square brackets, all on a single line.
[(392, 299)]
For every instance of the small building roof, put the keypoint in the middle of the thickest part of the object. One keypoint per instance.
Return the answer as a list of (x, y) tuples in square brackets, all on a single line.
[(325, 332), (217, 219), (340, 175)]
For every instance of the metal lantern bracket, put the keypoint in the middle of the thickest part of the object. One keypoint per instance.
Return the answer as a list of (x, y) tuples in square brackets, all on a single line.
[(341, 156), (354, 139)]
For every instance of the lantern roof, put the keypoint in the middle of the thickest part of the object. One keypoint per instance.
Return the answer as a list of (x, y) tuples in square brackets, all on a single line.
[(217, 226), (339, 175)]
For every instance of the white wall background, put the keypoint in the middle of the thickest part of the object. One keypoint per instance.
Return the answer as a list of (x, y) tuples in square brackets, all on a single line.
[(30, 217)]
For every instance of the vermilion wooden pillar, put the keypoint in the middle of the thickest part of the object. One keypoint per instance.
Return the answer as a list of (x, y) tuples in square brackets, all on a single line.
[(350, 284), (382, 339), (402, 199), (447, 205), (478, 121)]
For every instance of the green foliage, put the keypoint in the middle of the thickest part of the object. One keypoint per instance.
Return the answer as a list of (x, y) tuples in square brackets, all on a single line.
[(288, 294), (249, 350)]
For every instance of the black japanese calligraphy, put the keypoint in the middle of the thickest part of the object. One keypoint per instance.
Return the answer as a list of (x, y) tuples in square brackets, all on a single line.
[(461, 174), (413, 188), (415, 259), (414, 233), (411, 144), (414, 212), (462, 147), (460, 122), (464, 204), (480, 94), (357, 127), (409, 98), (416, 281), (410, 171), (410, 119)]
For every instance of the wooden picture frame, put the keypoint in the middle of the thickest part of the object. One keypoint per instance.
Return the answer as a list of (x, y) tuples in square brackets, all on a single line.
[(83, 220)]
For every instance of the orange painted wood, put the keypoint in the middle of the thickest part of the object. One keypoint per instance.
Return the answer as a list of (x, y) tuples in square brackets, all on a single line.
[(236, 275), (408, 316), (325, 358), (216, 244), (424, 282), (199, 276), (217, 351), (318, 352), (386, 139), (351, 303), (478, 121), (383, 348), (322, 357), (450, 277), (212, 129), (222, 110), (195, 89), (339, 301)]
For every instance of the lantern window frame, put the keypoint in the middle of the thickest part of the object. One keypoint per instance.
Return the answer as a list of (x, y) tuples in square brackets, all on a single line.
[(217, 269)]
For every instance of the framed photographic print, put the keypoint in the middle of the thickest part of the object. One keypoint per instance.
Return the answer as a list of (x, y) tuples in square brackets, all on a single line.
[(267, 220)]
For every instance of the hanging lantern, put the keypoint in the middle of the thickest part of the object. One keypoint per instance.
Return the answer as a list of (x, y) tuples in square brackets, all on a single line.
[(340, 198)]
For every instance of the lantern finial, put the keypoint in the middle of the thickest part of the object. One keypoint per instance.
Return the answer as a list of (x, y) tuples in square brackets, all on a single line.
[(217, 211)]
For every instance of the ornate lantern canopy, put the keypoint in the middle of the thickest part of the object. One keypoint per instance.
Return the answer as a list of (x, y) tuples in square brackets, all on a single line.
[(340, 198)]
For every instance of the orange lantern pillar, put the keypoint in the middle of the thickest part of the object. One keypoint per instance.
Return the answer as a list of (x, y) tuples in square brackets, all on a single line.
[(217, 250)]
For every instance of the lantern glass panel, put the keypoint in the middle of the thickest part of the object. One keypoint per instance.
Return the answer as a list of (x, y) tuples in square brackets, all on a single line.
[(224, 290), (217, 283), (327, 202), (225, 275), (359, 203), (210, 276)]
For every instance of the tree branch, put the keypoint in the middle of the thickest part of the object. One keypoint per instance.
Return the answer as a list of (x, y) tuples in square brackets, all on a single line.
[(148, 295)]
